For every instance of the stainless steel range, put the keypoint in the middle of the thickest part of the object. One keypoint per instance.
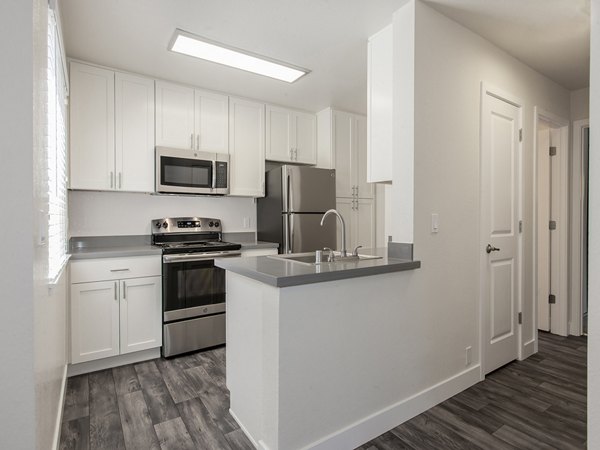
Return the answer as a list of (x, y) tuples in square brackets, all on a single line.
[(193, 288)]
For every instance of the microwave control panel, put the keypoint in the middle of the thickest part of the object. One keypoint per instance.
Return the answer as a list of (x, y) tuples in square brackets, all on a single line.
[(221, 175)]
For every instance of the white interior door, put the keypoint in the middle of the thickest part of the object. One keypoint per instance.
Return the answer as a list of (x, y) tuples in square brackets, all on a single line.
[(500, 124), (543, 232)]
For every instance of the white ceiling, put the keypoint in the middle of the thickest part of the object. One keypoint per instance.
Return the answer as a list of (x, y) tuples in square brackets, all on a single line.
[(326, 36), (551, 36)]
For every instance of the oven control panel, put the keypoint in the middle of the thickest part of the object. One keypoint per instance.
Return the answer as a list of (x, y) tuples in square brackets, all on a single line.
[(185, 225)]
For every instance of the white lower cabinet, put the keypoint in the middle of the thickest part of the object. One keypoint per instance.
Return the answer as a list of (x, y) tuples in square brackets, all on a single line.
[(140, 306), (94, 320), (359, 216), (118, 316)]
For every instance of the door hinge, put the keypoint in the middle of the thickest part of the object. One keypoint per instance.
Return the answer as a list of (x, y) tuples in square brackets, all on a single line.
[(520, 134), (552, 299), (552, 225), (520, 226), (552, 151), (520, 318)]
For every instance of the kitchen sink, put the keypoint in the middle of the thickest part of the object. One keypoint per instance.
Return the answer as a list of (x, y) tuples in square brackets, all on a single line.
[(309, 258)]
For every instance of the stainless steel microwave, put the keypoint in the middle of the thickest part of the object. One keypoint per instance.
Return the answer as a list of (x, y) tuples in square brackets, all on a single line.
[(180, 171)]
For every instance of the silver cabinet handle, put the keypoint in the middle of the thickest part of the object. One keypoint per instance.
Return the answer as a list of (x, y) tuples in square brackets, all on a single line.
[(357, 190), (124, 291), (120, 180), (295, 154), (112, 175), (192, 140), (119, 270), (116, 290)]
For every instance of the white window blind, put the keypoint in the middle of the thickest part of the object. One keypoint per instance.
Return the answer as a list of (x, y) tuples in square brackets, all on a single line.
[(57, 153)]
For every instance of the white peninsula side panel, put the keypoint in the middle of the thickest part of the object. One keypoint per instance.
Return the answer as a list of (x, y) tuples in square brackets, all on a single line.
[(330, 365)]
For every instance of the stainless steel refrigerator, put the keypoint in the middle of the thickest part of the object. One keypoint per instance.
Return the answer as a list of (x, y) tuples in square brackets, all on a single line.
[(290, 213)]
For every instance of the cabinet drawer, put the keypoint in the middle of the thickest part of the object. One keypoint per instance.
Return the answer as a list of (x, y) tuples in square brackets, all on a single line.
[(115, 268)]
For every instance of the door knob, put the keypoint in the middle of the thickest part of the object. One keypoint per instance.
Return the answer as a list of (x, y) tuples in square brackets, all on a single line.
[(491, 248)]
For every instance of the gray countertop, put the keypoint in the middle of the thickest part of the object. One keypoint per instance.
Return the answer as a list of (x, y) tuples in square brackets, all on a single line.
[(281, 273), (90, 247)]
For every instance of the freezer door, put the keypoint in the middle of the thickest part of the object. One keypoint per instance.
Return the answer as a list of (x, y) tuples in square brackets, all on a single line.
[(307, 189), (305, 234)]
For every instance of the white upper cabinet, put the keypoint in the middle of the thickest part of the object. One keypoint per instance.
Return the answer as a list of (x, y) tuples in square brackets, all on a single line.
[(379, 106), (111, 129), (191, 118), (92, 127), (246, 148), (211, 119), (291, 136), (134, 133), (174, 116), (343, 140), (306, 137), (344, 148)]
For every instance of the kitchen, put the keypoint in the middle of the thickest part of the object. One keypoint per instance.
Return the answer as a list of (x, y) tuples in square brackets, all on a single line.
[(126, 214)]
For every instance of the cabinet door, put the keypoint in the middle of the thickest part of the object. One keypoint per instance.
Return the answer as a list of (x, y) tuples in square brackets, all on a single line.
[(306, 138), (279, 134), (211, 122), (94, 320), (134, 127), (363, 189), (246, 148), (141, 311), (92, 128), (174, 116), (345, 206), (365, 222), (344, 153)]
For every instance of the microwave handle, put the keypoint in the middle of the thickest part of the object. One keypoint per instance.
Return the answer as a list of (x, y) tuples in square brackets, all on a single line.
[(214, 174)]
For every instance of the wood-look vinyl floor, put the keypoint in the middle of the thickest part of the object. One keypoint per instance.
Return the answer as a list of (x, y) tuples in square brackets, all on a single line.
[(182, 403)]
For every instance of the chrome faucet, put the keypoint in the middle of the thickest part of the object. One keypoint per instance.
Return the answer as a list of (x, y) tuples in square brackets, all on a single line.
[(343, 251)]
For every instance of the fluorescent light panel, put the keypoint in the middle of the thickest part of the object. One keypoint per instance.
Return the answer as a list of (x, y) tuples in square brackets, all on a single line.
[(192, 45)]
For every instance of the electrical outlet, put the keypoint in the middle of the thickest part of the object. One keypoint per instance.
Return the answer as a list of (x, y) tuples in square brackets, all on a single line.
[(468, 356), (246, 222)]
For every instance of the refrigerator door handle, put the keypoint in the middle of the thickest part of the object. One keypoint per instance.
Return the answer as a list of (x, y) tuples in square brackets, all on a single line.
[(291, 222)]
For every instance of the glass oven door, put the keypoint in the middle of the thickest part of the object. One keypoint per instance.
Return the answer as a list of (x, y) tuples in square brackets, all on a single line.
[(192, 289)]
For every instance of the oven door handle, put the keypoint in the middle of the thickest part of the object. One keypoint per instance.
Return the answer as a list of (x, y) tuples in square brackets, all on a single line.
[(191, 257)]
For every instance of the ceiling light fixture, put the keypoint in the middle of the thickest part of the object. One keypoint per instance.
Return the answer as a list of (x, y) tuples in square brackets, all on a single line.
[(199, 47)]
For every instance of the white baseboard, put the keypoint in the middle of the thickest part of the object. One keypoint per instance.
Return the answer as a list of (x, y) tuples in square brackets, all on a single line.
[(259, 445), (59, 413), (528, 349), (113, 361), (378, 423)]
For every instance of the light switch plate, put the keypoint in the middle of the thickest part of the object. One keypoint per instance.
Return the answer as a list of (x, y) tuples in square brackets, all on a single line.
[(435, 222)]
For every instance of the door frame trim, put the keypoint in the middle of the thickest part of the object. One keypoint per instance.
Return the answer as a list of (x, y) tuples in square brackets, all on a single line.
[(489, 89), (577, 179), (563, 309)]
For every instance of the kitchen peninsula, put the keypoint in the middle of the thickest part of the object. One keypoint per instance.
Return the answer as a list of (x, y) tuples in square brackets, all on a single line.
[(311, 348)]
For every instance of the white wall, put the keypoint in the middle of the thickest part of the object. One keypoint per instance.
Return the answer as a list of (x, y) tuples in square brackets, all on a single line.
[(50, 303), (108, 213), (33, 330), (17, 387), (594, 238), (450, 62), (580, 104)]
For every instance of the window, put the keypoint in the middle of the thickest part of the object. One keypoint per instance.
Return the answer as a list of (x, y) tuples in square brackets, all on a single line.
[(57, 152)]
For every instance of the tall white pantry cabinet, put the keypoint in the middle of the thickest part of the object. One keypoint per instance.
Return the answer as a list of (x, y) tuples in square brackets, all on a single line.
[(342, 143)]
